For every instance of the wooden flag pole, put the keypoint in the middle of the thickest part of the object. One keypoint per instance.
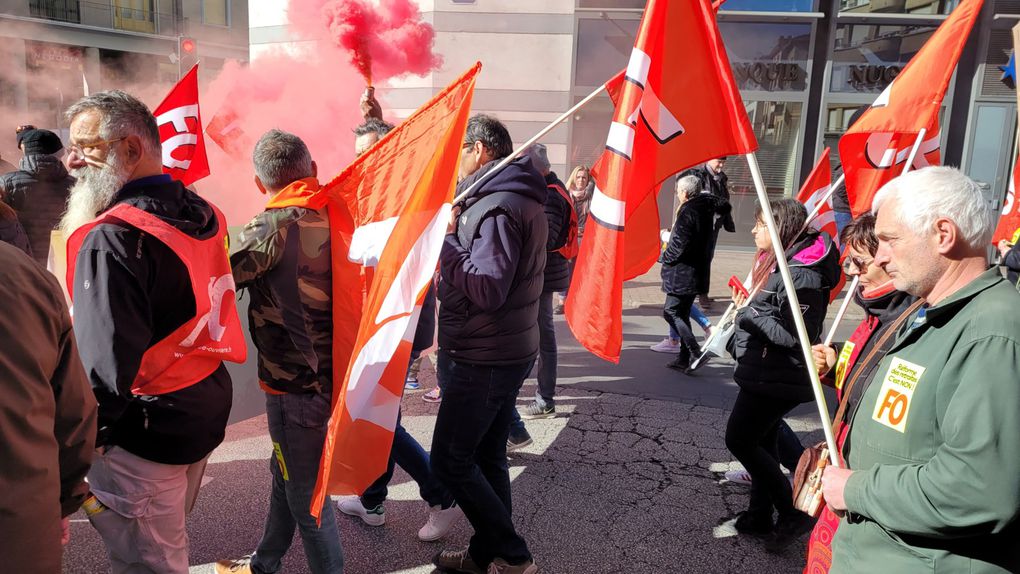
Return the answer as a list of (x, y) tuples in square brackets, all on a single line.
[(850, 292), (520, 149), (798, 317)]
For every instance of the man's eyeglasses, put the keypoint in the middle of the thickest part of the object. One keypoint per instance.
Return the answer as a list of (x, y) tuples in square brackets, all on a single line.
[(861, 265), (81, 149)]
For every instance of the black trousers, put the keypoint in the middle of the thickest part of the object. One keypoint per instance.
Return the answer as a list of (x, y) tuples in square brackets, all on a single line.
[(751, 435), (677, 313)]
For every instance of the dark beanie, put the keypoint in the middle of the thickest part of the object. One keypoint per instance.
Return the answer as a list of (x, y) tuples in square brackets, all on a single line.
[(40, 142)]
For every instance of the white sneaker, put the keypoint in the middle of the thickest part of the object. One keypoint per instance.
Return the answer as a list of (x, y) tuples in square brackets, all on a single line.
[(666, 345), (738, 476), (439, 522), (371, 516)]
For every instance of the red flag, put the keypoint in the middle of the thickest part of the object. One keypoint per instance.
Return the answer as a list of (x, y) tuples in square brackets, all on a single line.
[(816, 187), (180, 131), (875, 149), (678, 106), (1009, 221), (399, 193), (225, 129)]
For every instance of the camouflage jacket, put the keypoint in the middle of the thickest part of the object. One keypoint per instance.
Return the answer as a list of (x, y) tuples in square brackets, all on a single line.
[(284, 262)]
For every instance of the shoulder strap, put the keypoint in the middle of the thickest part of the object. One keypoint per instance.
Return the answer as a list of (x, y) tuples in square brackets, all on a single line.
[(849, 385)]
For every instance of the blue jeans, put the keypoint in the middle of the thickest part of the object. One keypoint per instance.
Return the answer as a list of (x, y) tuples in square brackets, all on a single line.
[(414, 460), (546, 351), (469, 452), (297, 427)]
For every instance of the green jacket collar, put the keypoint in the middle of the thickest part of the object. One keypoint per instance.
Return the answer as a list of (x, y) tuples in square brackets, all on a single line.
[(986, 280)]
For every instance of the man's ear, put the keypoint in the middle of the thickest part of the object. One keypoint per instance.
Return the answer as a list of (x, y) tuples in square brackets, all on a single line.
[(134, 149), (315, 169), (262, 188), (947, 236)]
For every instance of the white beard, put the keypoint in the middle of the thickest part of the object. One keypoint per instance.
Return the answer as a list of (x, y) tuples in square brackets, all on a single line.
[(92, 193)]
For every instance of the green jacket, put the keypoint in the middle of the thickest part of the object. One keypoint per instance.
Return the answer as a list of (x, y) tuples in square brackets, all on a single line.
[(935, 443)]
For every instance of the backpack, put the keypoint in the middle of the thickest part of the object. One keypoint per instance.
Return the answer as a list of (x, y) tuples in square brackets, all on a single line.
[(570, 248)]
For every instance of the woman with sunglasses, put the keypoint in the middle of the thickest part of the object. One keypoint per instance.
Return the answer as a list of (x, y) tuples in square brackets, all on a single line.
[(854, 360)]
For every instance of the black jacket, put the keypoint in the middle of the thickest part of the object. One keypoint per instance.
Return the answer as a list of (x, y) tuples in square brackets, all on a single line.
[(493, 268), (1011, 261), (686, 260), (38, 192), (11, 231), (717, 185), (769, 358), (131, 291), (557, 212)]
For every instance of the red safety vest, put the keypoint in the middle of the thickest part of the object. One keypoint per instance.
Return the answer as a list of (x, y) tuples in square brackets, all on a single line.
[(213, 335)]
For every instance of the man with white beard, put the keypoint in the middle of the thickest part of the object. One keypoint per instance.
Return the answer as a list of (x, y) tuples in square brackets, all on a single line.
[(154, 318)]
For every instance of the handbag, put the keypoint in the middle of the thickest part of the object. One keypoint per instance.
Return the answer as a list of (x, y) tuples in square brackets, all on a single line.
[(807, 479)]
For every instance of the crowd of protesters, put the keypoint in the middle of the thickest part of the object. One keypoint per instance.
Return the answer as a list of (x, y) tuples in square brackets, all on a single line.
[(127, 404)]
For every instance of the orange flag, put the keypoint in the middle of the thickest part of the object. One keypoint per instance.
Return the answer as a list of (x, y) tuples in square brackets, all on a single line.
[(875, 149), (1009, 221), (399, 194), (678, 105), (816, 187)]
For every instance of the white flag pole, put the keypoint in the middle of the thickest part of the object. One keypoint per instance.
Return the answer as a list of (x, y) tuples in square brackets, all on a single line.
[(850, 292), (563, 117), (798, 318), (825, 198)]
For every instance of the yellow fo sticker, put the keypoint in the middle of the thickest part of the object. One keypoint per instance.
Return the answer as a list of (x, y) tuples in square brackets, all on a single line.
[(842, 362), (279, 459), (898, 386)]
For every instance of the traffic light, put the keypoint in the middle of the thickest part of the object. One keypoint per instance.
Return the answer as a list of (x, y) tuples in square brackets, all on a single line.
[(187, 54)]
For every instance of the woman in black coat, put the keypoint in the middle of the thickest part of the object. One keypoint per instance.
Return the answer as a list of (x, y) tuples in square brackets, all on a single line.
[(771, 371), (686, 260)]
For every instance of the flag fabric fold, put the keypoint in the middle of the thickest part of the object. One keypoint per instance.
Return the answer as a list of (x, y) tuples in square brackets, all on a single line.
[(677, 104), (1009, 221), (875, 149), (398, 196), (816, 188), (180, 131)]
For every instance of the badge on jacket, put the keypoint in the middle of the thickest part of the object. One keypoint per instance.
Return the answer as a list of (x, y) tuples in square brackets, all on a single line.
[(898, 386)]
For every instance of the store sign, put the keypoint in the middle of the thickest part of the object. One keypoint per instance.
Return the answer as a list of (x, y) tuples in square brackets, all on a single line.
[(871, 77), (53, 56), (769, 75)]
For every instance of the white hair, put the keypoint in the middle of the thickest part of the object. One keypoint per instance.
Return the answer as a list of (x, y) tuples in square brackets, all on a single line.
[(932, 192), (688, 185)]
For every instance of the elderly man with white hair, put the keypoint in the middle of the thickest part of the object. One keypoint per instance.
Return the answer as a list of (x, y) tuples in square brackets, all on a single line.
[(933, 453)]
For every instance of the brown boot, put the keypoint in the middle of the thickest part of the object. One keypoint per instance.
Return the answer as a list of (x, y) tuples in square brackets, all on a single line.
[(500, 566), (456, 561)]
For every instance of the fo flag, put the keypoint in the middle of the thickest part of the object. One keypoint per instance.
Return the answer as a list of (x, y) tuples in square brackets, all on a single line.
[(1009, 221), (399, 195), (815, 196), (875, 149), (180, 131), (676, 106)]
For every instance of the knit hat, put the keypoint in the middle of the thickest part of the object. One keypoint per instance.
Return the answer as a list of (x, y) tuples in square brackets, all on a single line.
[(40, 142), (539, 157)]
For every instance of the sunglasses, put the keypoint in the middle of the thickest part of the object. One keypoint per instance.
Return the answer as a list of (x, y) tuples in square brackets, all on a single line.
[(854, 262)]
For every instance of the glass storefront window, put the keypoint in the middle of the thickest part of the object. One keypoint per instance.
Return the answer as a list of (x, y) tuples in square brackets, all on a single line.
[(733, 5), (768, 56), (866, 57), (603, 48), (897, 6)]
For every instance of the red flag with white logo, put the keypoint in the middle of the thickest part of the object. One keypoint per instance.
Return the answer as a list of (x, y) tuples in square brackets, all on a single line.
[(815, 188), (180, 131), (677, 106), (1009, 221), (399, 195), (875, 149)]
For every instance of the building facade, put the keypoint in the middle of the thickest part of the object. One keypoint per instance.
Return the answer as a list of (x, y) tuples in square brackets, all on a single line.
[(50, 50)]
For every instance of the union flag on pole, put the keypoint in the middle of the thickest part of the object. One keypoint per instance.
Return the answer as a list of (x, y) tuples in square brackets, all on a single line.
[(180, 131), (678, 105), (1009, 221), (815, 188), (399, 196), (875, 149)]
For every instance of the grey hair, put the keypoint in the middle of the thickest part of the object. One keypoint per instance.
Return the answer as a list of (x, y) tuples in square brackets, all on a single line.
[(280, 159), (121, 115), (936, 191), (689, 185)]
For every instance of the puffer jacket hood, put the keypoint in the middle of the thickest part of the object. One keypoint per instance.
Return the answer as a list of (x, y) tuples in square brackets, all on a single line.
[(519, 176), (767, 347)]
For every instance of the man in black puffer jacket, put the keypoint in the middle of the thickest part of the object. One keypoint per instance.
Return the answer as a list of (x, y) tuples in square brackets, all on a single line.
[(38, 191), (492, 269), (714, 181), (558, 210), (686, 260)]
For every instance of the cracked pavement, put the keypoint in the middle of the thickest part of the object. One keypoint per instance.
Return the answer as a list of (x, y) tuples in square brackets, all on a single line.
[(628, 477)]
